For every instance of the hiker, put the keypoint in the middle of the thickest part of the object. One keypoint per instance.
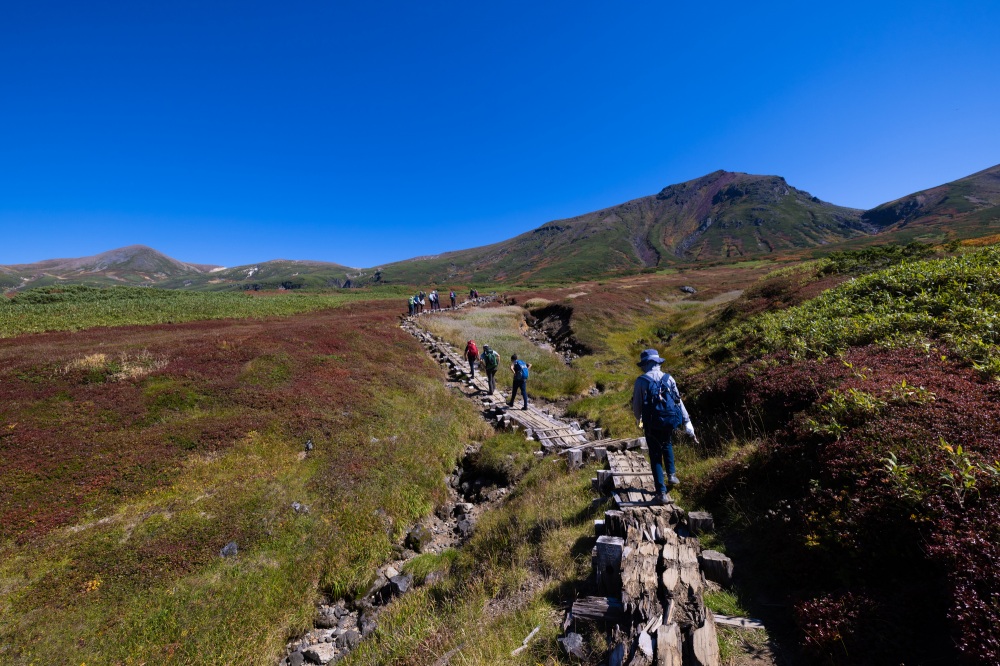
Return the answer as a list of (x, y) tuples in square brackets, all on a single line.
[(658, 410), (491, 362), (452, 299), (423, 301), (472, 354), (432, 297), (520, 370), (411, 304)]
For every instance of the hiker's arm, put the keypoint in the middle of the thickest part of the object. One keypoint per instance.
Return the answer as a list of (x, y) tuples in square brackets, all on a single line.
[(637, 395)]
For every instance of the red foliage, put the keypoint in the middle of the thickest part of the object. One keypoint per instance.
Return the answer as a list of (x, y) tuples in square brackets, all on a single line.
[(919, 553), (74, 440)]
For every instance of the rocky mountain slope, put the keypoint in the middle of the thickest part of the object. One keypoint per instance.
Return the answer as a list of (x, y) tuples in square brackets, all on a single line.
[(721, 216), (962, 206)]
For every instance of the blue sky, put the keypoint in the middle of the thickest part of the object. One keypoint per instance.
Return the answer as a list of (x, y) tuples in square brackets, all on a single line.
[(368, 132)]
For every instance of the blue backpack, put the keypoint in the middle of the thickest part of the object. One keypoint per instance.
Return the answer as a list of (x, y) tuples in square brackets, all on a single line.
[(520, 370), (661, 408)]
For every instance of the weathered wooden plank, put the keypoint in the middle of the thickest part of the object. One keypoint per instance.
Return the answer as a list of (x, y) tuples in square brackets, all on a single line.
[(599, 609), (741, 622)]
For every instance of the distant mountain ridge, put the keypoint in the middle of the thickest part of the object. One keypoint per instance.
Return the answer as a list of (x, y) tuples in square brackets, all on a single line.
[(722, 216), (139, 265)]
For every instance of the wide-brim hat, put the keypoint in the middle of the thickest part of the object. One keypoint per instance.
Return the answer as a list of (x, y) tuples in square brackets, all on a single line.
[(650, 356)]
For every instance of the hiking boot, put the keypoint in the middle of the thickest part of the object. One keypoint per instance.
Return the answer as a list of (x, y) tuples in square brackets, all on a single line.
[(674, 481), (663, 499)]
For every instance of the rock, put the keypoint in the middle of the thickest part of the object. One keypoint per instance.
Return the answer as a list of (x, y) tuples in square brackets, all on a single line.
[(397, 552), (444, 511), (463, 509), (367, 625), (434, 577), (464, 528), (320, 653), (419, 538), (229, 550), (309, 445), (299, 507), (717, 567), (400, 584), (391, 571), (689, 290), (349, 640), (572, 643), (296, 659), (326, 618)]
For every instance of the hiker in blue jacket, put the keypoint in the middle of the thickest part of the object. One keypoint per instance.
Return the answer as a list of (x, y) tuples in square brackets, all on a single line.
[(520, 370), (658, 410)]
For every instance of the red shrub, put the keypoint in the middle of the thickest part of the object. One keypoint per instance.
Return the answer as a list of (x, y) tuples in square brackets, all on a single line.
[(920, 553)]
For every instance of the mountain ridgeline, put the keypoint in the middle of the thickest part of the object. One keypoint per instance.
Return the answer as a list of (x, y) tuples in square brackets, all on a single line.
[(720, 217)]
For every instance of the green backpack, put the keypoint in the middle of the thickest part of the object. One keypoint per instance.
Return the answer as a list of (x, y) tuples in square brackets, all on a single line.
[(491, 359)]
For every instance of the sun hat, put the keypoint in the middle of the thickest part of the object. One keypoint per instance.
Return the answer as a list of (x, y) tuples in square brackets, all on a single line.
[(650, 356)]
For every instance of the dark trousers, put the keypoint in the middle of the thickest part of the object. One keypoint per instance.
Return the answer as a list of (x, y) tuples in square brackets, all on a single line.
[(491, 379), (523, 385), (661, 449), (472, 366), (453, 304)]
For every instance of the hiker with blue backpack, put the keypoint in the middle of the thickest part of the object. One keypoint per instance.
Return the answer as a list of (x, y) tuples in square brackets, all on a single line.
[(659, 410), (520, 370)]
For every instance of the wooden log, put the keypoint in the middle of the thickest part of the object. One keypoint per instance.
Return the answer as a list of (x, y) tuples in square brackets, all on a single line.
[(603, 478), (599, 528), (598, 609), (669, 645), (642, 651), (717, 567), (614, 523), (609, 564), (600, 452), (638, 575), (700, 521), (702, 645), (574, 458)]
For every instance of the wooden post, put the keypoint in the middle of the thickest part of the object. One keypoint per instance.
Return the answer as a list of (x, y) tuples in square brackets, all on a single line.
[(600, 453), (700, 521), (609, 564), (598, 527), (669, 645), (717, 567), (574, 458)]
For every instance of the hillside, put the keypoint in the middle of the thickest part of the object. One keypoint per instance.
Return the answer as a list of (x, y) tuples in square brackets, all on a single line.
[(275, 274), (134, 264), (141, 265), (721, 216), (967, 207)]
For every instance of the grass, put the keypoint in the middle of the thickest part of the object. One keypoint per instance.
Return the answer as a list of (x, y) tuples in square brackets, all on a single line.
[(954, 301), (74, 308), (501, 328), (520, 567), (117, 492)]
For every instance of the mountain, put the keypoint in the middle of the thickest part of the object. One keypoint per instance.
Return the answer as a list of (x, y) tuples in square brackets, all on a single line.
[(721, 216), (967, 207), (274, 274), (141, 265), (135, 265)]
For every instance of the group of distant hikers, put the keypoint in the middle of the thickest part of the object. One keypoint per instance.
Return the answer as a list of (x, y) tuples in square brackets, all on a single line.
[(489, 361), (419, 301)]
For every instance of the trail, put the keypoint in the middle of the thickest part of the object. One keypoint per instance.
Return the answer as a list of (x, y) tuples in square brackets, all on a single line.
[(649, 568)]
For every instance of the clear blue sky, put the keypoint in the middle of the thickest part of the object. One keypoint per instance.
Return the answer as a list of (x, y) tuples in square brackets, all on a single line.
[(367, 132)]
